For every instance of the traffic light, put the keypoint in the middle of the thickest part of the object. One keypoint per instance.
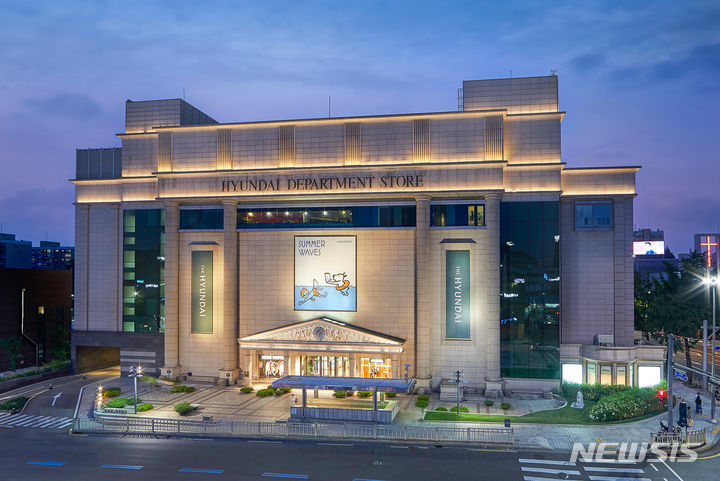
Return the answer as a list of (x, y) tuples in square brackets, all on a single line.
[(662, 395)]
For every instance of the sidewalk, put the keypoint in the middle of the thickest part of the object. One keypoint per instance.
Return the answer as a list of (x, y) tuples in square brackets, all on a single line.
[(229, 404)]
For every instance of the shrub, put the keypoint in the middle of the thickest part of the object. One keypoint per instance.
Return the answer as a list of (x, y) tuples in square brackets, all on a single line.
[(182, 389), (183, 408), (15, 403), (340, 394), (149, 379), (349, 393), (119, 402), (144, 407), (131, 401), (625, 404), (591, 392), (111, 391), (421, 403), (504, 406), (390, 394), (463, 409), (423, 397), (265, 392), (364, 393), (489, 402), (441, 408), (246, 389), (282, 390)]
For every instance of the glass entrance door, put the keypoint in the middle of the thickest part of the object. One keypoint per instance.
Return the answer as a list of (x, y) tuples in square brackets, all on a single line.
[(336, 366), (376, 367)]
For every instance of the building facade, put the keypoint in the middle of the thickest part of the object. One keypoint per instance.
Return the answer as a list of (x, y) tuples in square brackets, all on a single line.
[(51, 255), (379, 246), (15, 254)]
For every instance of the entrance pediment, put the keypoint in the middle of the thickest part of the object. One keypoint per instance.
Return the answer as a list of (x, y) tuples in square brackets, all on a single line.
[(323, 334)]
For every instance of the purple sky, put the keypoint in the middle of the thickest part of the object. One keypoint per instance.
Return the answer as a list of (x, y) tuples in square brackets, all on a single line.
[(639, 81)]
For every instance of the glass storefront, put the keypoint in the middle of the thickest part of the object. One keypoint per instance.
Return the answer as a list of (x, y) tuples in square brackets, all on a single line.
[(271, 366), (334, 366), (375, 367)]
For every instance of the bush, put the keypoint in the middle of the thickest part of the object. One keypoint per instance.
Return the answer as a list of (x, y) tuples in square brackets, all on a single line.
[(441, 408), (625, 404), (265, 392), (246, 389), (15, 403), (149, 379), (591, 392), (423, 397), (421, 403), (364, 393), (183, 408), (182, 389), (463, 409), (390, 394), (489, 402), (504, 406), (340, 394), (131, 401), (282, 390), (111, 391), (119, 402), (144, 407)]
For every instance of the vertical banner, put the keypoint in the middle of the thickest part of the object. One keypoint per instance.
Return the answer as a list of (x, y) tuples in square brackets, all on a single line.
[(457, 294), (202, 291), (325, 277)]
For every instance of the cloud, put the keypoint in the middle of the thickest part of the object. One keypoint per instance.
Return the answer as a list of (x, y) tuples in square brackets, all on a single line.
[(588, 61), (32, 213), (70, 105)]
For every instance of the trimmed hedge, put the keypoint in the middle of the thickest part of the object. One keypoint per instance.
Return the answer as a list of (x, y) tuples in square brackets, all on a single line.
[(504, 406), (119, 402), (340, 394), (131, 401), (265, 392), (247, 389), (282, 390), (15, 403), (150, 379), (421, 403), (489, 402), (144, 407), (441, 408), (182, 389), (364, 393), (390, 394), (111, 391), (183, 408), (463, 409), (625, 405), (423, 397)]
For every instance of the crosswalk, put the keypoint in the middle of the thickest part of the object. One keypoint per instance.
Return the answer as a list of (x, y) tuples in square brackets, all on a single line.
[(32, 421), (550, 470)]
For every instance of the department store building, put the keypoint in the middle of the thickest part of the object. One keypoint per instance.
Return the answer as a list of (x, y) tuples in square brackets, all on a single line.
[(378, 246)]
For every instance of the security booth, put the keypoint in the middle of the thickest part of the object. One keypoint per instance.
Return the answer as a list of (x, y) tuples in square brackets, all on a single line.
[(349, 410)]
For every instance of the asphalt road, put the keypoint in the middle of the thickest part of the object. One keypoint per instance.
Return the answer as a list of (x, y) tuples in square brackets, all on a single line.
[(29, 454)]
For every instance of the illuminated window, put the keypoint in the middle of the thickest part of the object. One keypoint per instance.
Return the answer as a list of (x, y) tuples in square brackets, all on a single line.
[(605, 374), (318, 217), (620, 377), (457, 215), (593, 215)]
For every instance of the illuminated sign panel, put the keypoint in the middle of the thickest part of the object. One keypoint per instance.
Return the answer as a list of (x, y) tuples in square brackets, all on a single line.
[(325, 273), (202, 292), (648, 248), (457, 295)]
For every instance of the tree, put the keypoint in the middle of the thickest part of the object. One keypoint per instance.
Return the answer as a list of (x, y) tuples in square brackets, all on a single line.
[(11, 346), (60, 345)]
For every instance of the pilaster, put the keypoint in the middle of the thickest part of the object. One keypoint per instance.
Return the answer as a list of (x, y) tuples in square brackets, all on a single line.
[(172, 309), (422, 287), (230, 291), (492, 309)]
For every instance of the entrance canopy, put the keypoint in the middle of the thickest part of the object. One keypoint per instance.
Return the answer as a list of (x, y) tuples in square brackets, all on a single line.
[(345, 383)]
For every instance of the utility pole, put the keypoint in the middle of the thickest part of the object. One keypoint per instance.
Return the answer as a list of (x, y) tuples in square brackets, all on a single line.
[(458, 374), (670, 375), (704, 353)]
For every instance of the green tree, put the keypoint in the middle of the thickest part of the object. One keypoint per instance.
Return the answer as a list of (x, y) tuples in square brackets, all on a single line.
[(60, 345), (11, 346)]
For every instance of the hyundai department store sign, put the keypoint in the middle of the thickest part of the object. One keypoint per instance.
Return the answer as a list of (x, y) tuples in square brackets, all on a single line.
[(202, 291), (325, 273), (457, 295)]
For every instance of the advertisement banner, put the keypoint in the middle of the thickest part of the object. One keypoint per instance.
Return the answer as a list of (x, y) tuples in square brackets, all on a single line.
[(325, 274), (648, 248), (457, 294), (202, 292)]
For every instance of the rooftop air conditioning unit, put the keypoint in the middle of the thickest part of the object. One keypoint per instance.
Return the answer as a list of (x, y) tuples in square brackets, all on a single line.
[(604, 340)]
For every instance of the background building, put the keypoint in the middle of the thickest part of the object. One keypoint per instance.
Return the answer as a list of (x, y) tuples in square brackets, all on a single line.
[(387, 245), (51, 255), (15, 254), (650, 254)]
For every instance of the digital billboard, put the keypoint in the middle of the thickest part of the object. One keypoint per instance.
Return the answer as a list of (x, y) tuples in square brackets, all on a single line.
[(648, 248), (325, 273)]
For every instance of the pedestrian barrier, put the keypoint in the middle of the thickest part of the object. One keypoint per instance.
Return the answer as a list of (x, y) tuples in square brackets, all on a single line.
[(689, 438), (345, 431)]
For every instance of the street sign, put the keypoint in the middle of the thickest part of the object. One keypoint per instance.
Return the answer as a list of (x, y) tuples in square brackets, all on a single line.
[(682, 375), (717, 348)]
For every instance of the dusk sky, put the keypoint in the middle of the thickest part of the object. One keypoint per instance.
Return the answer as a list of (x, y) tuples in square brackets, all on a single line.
[(639, 80)]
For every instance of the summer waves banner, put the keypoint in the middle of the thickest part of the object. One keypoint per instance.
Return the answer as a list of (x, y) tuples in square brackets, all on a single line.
[(325, 273), (457, 295), (202, 291)]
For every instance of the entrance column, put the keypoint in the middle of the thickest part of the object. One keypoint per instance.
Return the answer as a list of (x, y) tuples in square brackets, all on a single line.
[(171, 369), (493, 382), (422, 287), (229, 347)]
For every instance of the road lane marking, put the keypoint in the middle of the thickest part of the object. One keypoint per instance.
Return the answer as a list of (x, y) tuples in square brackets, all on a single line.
[(55, 398), (673, 471), (199, 470), (364, 479), (25, 422), (654, 467), (535, 478), (39, 420), (549, 471), (285, 475), (17, 419), (264, 442), (616, 478), (608, 461), (120, 466), (335, 444), (613, 470), (490, 450), (45, 463), (546, 461)]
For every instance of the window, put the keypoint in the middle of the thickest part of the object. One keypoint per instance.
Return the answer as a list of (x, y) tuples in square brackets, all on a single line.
[(201, 219), (591, 373), (593, 215), (605, 374), (456, 215), (318, 217), (620, 376)]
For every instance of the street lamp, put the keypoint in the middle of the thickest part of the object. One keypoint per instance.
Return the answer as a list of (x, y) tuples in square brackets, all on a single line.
[(712, 283), (99, 398), (135, 373)]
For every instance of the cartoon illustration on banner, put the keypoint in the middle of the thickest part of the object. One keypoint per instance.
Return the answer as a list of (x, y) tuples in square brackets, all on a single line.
[(325, 273)]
